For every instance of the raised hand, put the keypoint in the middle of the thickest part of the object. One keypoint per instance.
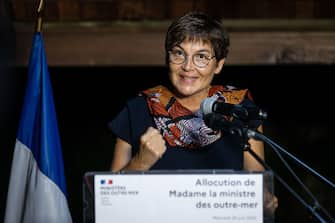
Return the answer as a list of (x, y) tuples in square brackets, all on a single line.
[(152, 148)]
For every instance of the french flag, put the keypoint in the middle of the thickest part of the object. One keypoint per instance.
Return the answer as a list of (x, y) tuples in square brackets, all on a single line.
[(37, 189)]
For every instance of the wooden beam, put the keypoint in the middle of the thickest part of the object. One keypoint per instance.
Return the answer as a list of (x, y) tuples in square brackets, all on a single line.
[(142, 44)]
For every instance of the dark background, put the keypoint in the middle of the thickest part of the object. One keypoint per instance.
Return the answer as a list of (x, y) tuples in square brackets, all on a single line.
[(298, 99)]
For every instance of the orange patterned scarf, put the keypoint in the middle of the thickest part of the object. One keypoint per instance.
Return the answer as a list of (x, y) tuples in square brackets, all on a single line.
[(180, 126)]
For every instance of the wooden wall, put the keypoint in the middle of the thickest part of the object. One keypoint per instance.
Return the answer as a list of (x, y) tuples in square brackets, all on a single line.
[(132, 32), (75, 10)]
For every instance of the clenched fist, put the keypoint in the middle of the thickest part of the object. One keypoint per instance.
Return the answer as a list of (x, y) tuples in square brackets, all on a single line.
[(152, 147)]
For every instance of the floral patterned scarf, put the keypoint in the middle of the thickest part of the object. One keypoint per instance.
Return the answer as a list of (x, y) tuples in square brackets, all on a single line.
[(180, 126)]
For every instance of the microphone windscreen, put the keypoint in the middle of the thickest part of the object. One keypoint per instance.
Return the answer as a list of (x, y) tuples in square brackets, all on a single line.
[(207, 105)]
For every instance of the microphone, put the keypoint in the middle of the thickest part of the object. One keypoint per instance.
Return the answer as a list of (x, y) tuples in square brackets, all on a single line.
[(245, 111)]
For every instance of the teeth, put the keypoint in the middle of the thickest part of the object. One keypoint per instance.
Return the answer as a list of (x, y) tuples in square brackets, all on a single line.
[(189, 77)]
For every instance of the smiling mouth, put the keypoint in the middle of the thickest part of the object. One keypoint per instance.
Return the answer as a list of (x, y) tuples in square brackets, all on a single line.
[(188, 77), (188, 80)]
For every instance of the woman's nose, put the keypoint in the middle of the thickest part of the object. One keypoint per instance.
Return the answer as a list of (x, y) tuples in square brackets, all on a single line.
[(188, 63)]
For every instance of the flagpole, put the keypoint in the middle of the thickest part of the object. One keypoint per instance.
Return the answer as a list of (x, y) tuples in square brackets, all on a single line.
[(39, 16)]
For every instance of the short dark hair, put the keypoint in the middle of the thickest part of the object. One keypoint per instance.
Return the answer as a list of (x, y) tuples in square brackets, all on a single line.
[(198, 26)]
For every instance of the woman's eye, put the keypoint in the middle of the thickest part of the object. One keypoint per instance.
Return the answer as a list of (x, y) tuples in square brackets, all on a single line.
[(178, 53), (202, 56)]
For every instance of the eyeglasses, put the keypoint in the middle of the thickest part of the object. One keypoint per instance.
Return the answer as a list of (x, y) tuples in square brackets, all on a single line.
[(200, 60)]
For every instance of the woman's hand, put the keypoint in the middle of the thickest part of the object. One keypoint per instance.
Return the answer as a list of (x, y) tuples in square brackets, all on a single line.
[(270, 203), (152, 148)]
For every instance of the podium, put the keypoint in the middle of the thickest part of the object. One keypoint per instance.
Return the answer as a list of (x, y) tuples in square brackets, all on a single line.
[(178, 196)]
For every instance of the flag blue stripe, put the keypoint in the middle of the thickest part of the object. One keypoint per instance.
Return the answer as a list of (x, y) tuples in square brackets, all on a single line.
[(38, 128)]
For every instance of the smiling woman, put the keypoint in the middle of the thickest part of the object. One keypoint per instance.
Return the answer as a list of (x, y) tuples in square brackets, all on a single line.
[(163, 127)]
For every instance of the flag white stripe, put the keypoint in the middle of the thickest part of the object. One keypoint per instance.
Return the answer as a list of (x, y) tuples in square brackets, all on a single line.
[(33, 196)]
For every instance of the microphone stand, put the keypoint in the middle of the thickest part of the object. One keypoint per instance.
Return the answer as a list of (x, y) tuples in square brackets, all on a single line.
[(245, 133), (257, 135)]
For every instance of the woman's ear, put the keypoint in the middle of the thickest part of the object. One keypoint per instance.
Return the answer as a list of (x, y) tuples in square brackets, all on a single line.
[(219, 66)]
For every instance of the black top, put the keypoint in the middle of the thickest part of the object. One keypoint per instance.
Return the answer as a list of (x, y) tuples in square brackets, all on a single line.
[(133, 121)]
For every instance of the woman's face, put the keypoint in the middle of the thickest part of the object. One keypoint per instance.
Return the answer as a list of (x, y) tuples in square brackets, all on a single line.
[(188, 79)]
